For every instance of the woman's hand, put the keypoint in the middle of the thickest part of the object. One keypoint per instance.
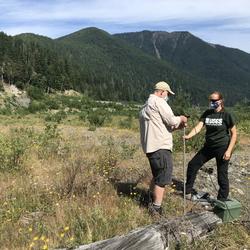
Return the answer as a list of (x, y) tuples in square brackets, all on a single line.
[(186, 137), (227, 155)]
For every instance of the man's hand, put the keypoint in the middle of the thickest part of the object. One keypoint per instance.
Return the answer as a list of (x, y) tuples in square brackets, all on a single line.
[(183, 119), (182, 124)]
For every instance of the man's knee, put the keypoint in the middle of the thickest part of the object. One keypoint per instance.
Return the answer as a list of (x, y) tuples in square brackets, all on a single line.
[(162, 182)]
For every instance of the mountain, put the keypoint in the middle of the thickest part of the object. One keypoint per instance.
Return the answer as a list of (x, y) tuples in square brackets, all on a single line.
[(125, 66), (226, 69), (117, 70)]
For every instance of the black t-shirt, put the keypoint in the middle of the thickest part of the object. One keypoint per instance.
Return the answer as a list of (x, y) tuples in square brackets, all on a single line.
[(217, 127)]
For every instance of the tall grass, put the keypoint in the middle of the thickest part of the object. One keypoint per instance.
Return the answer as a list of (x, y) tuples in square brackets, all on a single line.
[(62, 185), (65, 190), (58, 198)]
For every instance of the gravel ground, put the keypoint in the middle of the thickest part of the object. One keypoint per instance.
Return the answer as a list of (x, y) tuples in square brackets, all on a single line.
[(239, 177)]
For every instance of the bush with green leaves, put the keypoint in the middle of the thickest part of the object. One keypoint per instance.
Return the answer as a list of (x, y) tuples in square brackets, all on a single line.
[(13, 147), (96, 119), (83, 115), (52, 103), (56, 117), (181, 103), (106, 163), (128, 150), (241, 115), (37, 106), (197, 141), (35, 93), (5, 111), (49, 141)]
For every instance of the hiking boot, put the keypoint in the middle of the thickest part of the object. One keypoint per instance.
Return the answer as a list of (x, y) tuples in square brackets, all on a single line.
[(155, 211), (198, 196)]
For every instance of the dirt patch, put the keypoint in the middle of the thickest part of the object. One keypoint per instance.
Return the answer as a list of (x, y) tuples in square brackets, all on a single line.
[(244, 140)]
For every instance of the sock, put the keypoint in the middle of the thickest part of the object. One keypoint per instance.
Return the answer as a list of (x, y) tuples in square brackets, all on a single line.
[(156, 205)]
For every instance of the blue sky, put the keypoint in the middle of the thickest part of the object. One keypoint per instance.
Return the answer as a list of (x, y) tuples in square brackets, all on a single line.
[(225, 22)]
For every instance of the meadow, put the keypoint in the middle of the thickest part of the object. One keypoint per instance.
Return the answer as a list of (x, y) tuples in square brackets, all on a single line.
[(72, 172)]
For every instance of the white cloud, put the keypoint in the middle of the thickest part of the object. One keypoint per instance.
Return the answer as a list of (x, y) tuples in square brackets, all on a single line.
[(53, 18), (126, 11)]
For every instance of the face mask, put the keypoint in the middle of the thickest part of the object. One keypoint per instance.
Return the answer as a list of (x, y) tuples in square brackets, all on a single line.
[(214, 105), (166, 98)]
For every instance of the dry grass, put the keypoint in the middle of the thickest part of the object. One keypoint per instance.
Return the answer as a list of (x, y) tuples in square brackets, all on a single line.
[(66, 193)]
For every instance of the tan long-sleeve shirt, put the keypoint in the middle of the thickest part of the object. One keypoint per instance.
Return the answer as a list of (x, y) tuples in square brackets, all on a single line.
[(156, 122)]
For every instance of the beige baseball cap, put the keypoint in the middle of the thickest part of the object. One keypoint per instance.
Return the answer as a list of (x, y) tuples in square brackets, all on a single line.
[(164, 86)]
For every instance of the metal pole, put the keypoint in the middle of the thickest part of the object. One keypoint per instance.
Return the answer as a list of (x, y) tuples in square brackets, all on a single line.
[(184, 172)]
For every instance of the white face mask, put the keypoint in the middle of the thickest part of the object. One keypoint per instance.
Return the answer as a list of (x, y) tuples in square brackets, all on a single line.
[(166, 98)]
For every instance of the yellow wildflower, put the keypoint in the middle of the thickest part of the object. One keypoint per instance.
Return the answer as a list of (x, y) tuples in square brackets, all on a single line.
[(32, 244), (42, 237)]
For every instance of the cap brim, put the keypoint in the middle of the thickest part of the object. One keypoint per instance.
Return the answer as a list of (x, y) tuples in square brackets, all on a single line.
[(171, 92)]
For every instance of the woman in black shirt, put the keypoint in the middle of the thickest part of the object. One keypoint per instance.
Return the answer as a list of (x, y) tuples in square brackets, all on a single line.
[(219, 142)]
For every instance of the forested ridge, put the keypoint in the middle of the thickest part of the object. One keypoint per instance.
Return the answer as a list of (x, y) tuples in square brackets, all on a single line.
[(106, 67), (225, 69), (26, 62)]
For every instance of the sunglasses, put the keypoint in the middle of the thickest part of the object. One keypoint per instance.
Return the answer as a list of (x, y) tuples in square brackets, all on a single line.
[(212, 100)]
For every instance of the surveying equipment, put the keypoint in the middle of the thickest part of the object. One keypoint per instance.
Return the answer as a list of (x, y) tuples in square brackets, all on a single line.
[(184, 172)]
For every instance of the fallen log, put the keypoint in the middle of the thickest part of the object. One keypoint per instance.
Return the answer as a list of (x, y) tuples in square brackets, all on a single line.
[(161, 235)]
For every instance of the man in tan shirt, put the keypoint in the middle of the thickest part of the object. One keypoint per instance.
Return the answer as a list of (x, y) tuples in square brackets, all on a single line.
[(157, 121)]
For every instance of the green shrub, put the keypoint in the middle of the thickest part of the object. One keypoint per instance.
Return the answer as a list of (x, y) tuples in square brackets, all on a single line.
[(50, 141), (106, 163), (19, 84), (128, 150), (5, 111), (13, 148), (83, 116), (56, 117), (21, 112), (35, 93), (71, 102), (195, 143), (36, 106), (96, 119), (52, 103)]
